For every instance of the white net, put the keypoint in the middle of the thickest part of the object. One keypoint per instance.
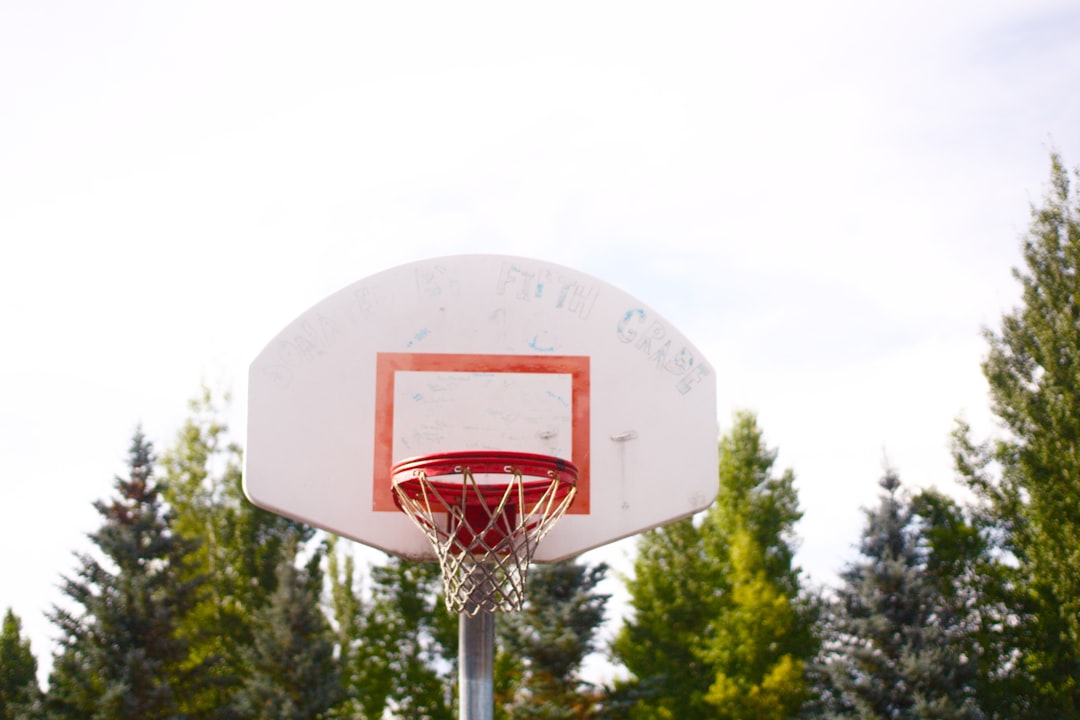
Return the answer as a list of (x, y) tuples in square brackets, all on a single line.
[(484, 534)]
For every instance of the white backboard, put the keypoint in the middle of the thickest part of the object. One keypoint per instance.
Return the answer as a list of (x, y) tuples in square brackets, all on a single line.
[(481, 352)]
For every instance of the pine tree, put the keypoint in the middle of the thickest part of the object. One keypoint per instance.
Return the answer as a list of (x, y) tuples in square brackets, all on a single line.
[(293, 674), (897, 644), (20, 696), (675, 592), (121, 653), (699, 590), (761, 640), (550, 639), (753, 499), (1033, 370), (365, 681), (974, 609), (410, 641), (757, 648), (240, 548)]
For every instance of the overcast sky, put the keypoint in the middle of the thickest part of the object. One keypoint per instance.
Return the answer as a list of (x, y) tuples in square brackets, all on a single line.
[(827, 198)]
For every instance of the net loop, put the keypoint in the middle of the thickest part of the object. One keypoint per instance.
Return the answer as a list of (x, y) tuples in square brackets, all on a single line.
[(484, 513)]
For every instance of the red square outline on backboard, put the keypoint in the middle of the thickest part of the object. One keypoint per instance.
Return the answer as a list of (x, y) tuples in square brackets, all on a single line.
[(387, 364)]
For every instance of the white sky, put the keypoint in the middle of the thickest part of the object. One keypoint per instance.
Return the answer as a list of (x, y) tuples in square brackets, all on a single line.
[(826, 197)]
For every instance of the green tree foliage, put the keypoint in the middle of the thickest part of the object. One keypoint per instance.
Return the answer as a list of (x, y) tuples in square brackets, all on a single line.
[(20, 696), (675, 593), (365, 678), (901, 642), (752, 499), (403, 658), (759, 643), (397, 643), (293, 673), (398, 636), (121, 653), (1028, 482), (974, 604), (240, 548), (720, 628), (754, 648), (543, 647)]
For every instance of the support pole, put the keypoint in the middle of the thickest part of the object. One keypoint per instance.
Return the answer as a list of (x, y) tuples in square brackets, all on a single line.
[(476, 666)]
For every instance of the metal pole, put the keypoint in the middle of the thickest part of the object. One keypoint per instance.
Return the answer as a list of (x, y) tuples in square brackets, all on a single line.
[(476, 666)]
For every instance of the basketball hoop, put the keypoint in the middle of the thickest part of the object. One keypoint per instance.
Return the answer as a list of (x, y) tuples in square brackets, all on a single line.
[(484, 513)]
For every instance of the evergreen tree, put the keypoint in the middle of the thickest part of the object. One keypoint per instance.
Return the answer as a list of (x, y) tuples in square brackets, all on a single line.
[(761, 640), (975, 609), (753, 499), (1033, 371), (121, 653), (897, 646), (703, 592), (293, 675), (395, 648), (758, 646), (365, 680), (20, 696), (550, 639), (409, 642), (240, 548), (675, 592)]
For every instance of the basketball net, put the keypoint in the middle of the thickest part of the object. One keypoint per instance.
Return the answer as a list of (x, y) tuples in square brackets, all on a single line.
[(484, 513)]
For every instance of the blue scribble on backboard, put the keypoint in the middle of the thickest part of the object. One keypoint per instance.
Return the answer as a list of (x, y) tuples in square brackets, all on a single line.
[(536, 345), (555, 396), (418, 336)]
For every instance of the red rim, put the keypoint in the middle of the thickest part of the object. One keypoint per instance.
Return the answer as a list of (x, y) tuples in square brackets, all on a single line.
[(537, 473)]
